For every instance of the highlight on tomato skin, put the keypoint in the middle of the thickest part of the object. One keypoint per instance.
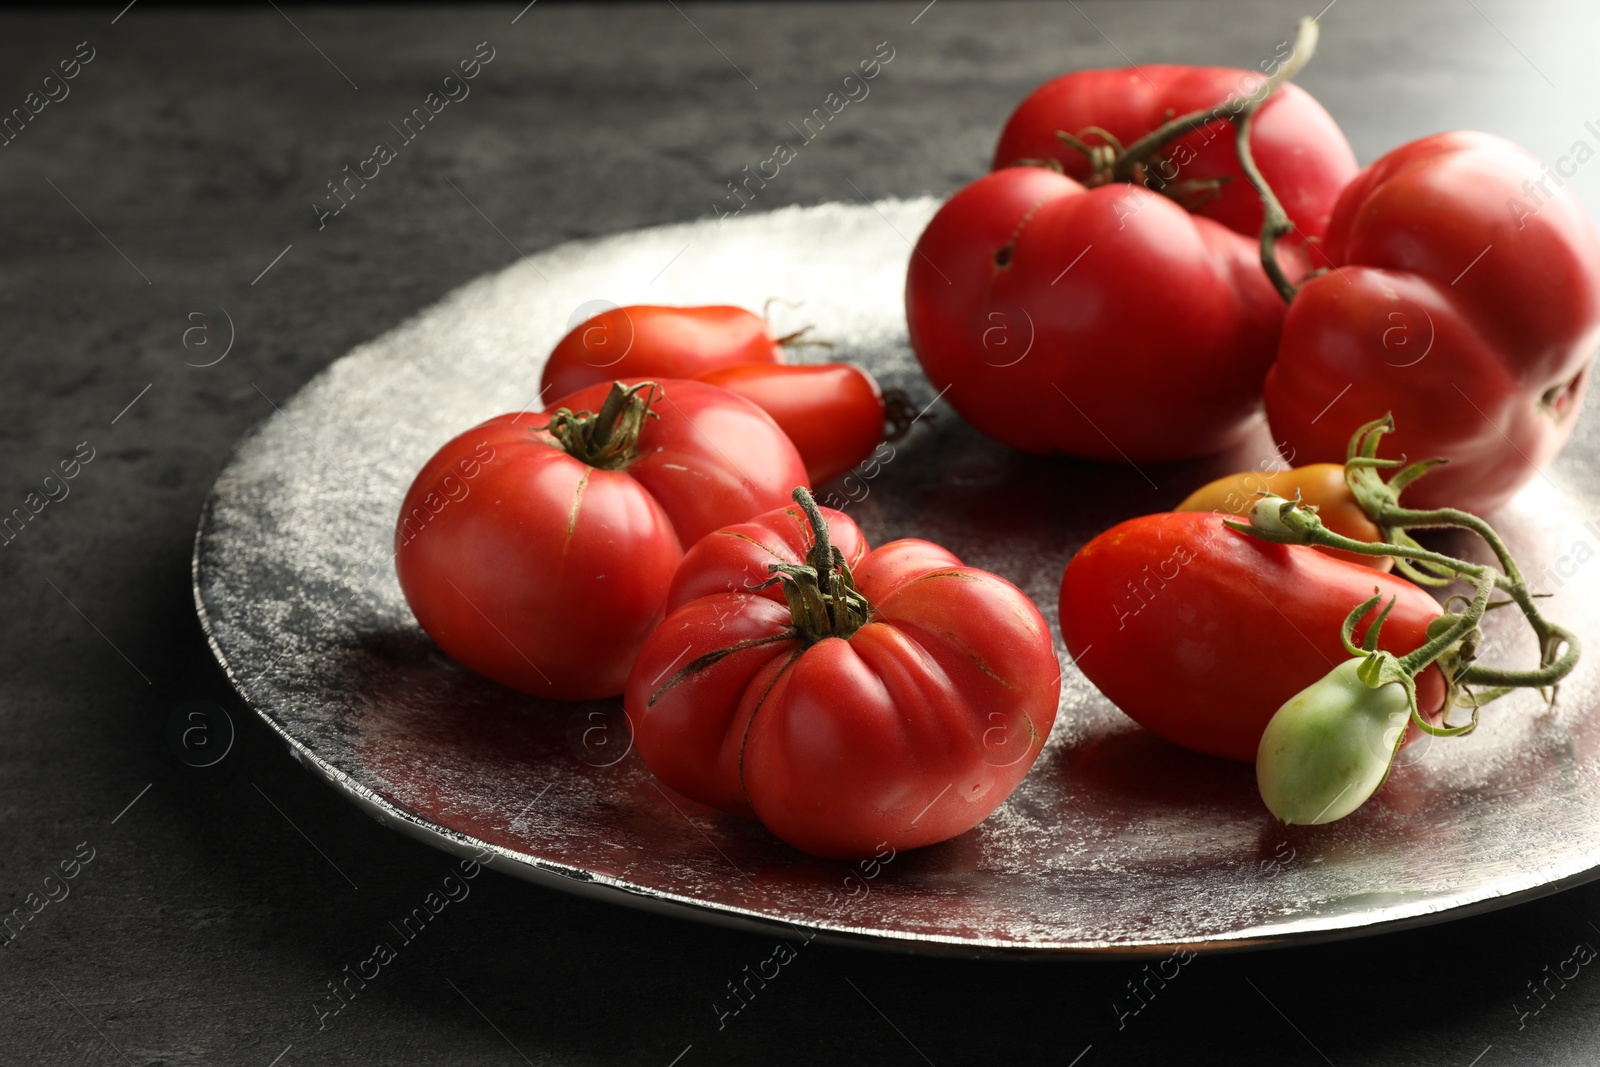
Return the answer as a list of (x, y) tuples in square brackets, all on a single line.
[(1201, 633), (537, 549), (898, 699), (1321, 485)]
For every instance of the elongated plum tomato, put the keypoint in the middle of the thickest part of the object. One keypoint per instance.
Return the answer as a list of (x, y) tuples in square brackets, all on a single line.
[(653, 341), (1319, 484), (898, 702), (1201, 633), (833, 412), (537, 549)]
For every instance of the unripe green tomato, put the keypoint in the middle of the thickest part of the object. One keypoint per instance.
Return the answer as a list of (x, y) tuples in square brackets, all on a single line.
[(1329, 747)]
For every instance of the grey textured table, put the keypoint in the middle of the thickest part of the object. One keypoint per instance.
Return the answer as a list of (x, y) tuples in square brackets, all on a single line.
[(171, 190)]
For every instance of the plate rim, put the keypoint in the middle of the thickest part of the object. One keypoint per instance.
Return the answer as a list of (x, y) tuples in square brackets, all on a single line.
[(595, 885)]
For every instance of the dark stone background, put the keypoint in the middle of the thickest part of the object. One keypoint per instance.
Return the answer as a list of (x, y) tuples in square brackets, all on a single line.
[(196, 140)]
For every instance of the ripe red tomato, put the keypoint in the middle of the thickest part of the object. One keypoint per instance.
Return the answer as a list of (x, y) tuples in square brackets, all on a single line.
[(1300, 150), (1107, 323), (902, 712), (1465, 301), (537, 549), (1128, 322), (1201, 633), (653, 341), (833, 412)]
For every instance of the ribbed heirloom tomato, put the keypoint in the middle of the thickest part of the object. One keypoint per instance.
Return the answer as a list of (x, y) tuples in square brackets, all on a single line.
[(537, 549), (833, 412), (1119, 311), (1201, 633), (848, 699)]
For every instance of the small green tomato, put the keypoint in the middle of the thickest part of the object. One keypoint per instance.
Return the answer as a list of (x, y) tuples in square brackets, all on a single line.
[(1329, 747)]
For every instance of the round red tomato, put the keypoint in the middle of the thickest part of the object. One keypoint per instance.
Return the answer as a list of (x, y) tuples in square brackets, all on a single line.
[(1201, 633), (896, 697), (1129, 321), (1106, 323), (537, 549)]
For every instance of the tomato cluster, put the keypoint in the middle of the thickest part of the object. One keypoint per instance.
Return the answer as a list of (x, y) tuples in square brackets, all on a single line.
[(637, 537), (1068, 311), (549, 575), (1115, 289)]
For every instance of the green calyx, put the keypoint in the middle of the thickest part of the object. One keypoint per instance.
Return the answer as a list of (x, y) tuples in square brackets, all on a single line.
[(1281, 521), (1302, 742), (821, 592), (608, 438)]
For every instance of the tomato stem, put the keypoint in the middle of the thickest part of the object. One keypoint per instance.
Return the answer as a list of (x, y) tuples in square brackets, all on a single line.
[(898, 413), (1111, 161), (1140, 151), (821, 592), (1275, 222), (798, 339), (1452, 639), (607, 439), (1454, 647)]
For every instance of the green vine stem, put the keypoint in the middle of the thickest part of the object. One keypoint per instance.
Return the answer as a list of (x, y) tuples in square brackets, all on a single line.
[(1380, 499), (1328, 748), (1453, 639), (1139, 152), (1300, 526), (1275, 222), (798, 339), (1111, 161)]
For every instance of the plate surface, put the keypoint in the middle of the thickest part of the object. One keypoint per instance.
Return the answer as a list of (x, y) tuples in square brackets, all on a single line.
[(1116, 843)]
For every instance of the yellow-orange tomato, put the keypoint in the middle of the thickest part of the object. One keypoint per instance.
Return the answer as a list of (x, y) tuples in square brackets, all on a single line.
[(1321, 484)]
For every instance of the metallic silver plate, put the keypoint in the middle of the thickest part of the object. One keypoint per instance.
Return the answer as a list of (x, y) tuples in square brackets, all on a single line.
[(1116, 843)]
